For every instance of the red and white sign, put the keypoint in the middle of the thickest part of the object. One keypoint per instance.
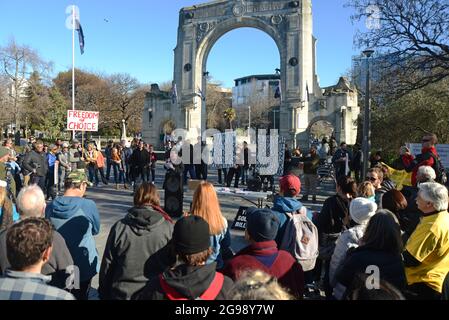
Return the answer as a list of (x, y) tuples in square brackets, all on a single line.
[(82, 120)]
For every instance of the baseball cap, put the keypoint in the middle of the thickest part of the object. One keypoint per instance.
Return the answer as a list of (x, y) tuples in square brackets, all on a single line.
[(290, 182), (79, 176)]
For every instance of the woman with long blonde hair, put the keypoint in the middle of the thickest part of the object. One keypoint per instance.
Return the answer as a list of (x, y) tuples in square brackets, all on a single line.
[(206, 205)]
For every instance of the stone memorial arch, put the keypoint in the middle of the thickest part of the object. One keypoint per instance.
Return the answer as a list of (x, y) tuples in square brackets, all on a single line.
[(289, 24)]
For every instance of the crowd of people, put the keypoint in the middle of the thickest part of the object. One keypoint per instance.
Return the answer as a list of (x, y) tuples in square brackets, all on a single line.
[(397, 241)]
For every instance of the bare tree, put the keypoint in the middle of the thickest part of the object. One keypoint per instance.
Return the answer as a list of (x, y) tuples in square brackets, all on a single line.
[(127, 98), (5, 103), (166, 86), (412, 36), (217, 101), (17, 63)]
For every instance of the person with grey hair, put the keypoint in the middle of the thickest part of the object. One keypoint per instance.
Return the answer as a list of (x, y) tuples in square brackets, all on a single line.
[(258, 285), (426, 255), (31, 204), (411, 215), (425, 174)]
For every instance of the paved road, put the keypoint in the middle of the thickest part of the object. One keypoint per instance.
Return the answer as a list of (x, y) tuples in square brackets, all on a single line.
[(113, 205)]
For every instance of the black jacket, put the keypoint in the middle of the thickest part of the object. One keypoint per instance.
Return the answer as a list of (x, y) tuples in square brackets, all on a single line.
[(139, 159), (330, 219), (390, 266), (132, 242), (56, 266), (38, 161), (356, 163), (311, 164), (411, 216), (245, 158), (188, 281)]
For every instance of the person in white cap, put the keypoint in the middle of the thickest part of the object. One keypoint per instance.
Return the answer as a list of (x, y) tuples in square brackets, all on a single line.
[(360, 210)]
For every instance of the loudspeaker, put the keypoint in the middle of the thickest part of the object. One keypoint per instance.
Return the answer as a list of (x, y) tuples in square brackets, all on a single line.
[(254, 184), (174, 194)]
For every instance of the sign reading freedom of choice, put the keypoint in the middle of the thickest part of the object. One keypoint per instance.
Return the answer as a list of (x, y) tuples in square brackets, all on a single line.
[(82, 120)]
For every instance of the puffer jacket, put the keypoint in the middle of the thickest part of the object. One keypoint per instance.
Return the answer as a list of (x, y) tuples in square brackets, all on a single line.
[(348, 239)]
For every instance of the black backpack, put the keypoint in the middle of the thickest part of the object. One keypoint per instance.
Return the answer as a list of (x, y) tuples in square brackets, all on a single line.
[(439, 169)]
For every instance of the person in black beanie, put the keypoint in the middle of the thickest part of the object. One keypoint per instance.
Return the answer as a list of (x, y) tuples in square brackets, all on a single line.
[(191, 278)]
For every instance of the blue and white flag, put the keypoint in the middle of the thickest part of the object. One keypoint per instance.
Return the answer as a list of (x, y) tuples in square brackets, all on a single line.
[(201, 94), (81, 35)]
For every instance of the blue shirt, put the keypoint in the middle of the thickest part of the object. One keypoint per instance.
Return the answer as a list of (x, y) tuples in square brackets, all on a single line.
[(51, 158)]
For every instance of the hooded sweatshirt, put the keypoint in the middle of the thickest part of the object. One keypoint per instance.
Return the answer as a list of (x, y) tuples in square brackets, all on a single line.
[(191, 282), (128, 258), (281, 205), (77, 220)]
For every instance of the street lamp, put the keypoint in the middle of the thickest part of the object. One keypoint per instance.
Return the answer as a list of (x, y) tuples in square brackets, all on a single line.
[(274, 117), (367, 117), (124, 130), (249, 118)]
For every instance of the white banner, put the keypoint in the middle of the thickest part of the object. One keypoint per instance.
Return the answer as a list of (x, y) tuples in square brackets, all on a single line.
[(82, 120), (442, 149)]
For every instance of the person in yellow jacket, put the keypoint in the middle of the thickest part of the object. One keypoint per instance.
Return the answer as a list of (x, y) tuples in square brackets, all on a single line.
[(426, 255)]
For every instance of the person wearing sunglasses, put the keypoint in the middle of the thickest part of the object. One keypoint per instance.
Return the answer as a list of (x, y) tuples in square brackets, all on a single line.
[(375, 176)]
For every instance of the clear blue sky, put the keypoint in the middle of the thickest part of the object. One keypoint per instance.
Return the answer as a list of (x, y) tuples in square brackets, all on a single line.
[(141, 34)]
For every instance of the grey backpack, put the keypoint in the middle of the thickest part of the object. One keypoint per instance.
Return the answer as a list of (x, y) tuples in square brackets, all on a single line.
[(301, 240)]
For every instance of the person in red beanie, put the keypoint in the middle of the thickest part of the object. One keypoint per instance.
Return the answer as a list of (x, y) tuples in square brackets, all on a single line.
[(286, 202)]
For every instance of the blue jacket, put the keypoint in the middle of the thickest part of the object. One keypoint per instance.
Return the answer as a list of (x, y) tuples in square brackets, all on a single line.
[(77, 220), (51, 158), (216, 243), (280, 206)]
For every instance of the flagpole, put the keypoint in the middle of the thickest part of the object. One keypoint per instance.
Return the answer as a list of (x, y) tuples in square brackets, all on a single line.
[(73, 61)]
